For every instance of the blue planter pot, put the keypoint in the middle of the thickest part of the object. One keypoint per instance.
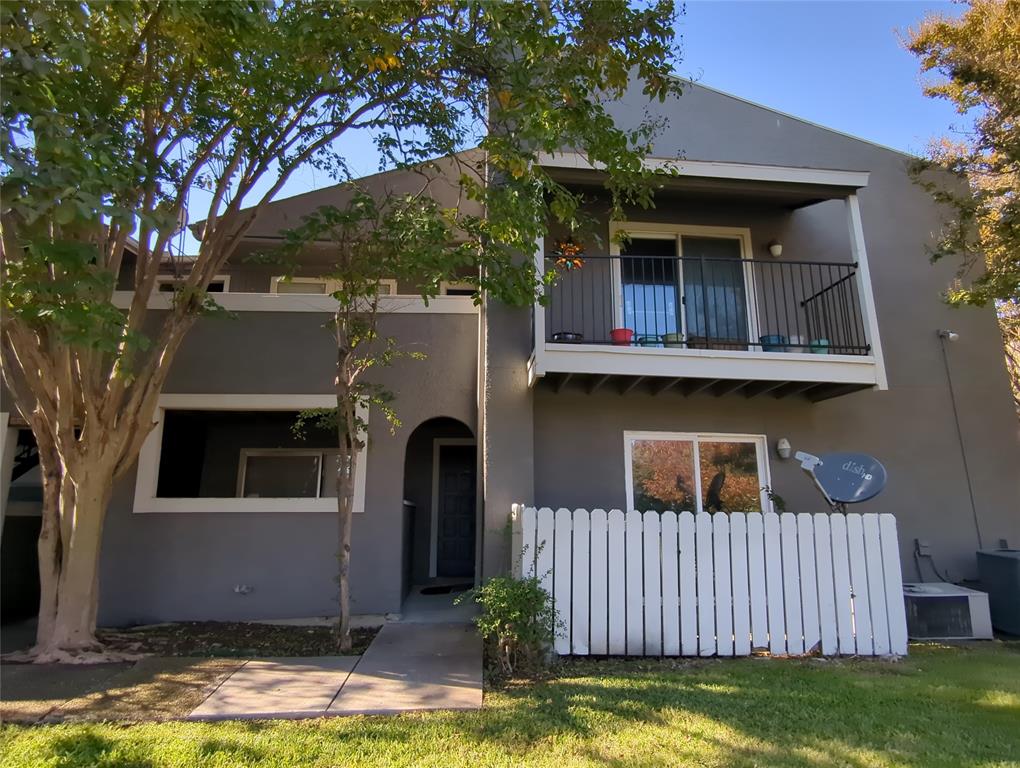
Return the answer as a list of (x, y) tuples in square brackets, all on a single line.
[(773, 343)]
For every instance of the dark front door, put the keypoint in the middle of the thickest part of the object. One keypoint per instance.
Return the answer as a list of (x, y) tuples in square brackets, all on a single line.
[(456, 512)]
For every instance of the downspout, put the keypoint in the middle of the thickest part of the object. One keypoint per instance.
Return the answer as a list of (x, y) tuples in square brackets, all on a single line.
[(481, 384)]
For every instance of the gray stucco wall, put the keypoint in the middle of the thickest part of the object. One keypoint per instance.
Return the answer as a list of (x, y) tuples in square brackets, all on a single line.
[(160, 567), (910, 427)]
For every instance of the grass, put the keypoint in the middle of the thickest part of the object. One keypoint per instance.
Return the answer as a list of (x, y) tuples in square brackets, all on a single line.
[(944, 706)]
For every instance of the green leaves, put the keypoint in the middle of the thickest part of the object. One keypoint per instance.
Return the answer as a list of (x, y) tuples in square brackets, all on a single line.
[(978, 59)]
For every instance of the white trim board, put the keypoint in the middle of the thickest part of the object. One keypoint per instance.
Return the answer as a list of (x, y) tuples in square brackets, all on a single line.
[(718, 170), (437, 443), (705, 364), (146, 480), (761, 454), (310, 302)]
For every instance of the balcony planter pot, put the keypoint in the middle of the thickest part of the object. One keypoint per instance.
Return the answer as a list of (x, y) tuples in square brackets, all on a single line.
[(649, 341), (673, 339), (820, 346), (774, 343), (621, 337), (568, 337)]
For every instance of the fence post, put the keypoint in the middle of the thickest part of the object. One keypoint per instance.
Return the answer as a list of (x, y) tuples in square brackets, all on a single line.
[(516, 540)]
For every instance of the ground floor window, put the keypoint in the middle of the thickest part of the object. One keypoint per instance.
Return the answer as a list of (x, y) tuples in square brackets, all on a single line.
[(696, 472), (204, 457)]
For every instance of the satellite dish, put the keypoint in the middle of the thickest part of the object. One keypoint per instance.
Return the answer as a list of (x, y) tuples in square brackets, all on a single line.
[(845, 478)]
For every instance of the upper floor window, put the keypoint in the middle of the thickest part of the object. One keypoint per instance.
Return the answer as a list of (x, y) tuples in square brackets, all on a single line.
[(321, 286), (170, 283)]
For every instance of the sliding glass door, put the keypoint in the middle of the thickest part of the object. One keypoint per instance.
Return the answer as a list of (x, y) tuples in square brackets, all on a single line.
[(715, 293), (684, 288)]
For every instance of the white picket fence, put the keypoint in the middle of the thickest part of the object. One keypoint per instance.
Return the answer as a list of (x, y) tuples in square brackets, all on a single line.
[(725, 584)]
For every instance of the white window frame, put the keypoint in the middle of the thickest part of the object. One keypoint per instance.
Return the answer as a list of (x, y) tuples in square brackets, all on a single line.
[(447, 285), (760, 441), (170, 279), (330, 285), (242, 463), (676, 232), (146, 482)]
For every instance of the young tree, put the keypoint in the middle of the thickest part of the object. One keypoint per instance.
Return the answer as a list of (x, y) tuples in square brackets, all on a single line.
[(120, 119), (978, 58), (407, 238)]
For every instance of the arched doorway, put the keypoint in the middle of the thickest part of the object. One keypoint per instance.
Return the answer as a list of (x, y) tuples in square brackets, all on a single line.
[(440, 493)]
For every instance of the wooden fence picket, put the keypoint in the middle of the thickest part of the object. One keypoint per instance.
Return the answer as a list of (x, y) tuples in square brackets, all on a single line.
[(670, 585), (876, 585), (756, 580), (599, 589), (635, 587), (653, 584), (826, 595), (741, 598), (808, 582), (580, 583), (774, 585), (617, 584), (723, 586), (859, 585), (561, 579), (687, 576), (706, 583)]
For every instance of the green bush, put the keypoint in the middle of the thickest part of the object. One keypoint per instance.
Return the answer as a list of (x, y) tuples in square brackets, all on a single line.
[(517, 623)]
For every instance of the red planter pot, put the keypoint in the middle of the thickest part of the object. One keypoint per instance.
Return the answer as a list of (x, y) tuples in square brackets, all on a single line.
[(621, 337)]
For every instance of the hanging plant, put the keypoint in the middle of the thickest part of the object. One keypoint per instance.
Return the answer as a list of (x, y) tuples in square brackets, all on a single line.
[(569, 254)]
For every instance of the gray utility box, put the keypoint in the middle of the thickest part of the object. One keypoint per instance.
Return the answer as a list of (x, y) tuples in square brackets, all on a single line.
[(999, 571)]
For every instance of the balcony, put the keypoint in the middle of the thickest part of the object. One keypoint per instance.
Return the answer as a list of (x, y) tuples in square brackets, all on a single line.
[(708, 320)]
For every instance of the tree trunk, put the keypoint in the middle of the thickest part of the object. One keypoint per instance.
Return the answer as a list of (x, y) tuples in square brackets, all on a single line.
[(346, 468), (74, 625), (49, 545), (344, 495)]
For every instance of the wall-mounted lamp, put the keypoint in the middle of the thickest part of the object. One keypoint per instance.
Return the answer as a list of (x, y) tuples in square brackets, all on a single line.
[(949, 335), (783, 448), (776, 249)]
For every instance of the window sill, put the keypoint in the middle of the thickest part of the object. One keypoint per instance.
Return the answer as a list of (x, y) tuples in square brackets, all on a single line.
[(234, 506)]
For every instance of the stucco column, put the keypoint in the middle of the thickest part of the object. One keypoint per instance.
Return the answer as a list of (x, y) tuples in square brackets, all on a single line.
[(506, 426)]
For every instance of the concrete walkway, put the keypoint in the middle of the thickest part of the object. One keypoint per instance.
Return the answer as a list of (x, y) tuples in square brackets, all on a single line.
[(407, 667)]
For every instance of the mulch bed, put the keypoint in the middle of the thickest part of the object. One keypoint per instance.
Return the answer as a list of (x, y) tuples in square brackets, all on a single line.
[(233, 639)]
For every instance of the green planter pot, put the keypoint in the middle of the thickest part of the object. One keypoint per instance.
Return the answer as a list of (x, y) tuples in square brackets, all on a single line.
[(820, 346)]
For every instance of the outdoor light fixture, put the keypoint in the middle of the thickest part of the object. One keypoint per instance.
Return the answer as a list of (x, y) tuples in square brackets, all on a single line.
[(949, 335), (776, 249), (783, 448)]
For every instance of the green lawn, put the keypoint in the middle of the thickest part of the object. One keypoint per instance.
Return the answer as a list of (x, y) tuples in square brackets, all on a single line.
[(942, 707)]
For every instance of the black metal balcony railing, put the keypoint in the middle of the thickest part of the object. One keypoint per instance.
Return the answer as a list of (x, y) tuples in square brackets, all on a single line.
[(708, 303)]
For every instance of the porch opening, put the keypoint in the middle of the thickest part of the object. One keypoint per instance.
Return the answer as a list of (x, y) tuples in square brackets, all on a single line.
[(440, 500)]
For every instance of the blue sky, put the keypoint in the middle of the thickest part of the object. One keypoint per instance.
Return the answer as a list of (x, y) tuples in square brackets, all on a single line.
[(839, 64)]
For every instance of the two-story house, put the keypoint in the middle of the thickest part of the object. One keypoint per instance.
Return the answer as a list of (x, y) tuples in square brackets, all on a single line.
[(779, 290)]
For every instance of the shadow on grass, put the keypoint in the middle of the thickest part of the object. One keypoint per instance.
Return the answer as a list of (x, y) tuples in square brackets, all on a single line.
[(797, 713), (942, 707), (91, 749)]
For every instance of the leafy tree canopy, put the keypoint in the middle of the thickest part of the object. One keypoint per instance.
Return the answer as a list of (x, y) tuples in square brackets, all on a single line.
[(978, 59)]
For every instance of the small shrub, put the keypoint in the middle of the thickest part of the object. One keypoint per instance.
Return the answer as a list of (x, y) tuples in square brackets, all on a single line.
[(517, 623)]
